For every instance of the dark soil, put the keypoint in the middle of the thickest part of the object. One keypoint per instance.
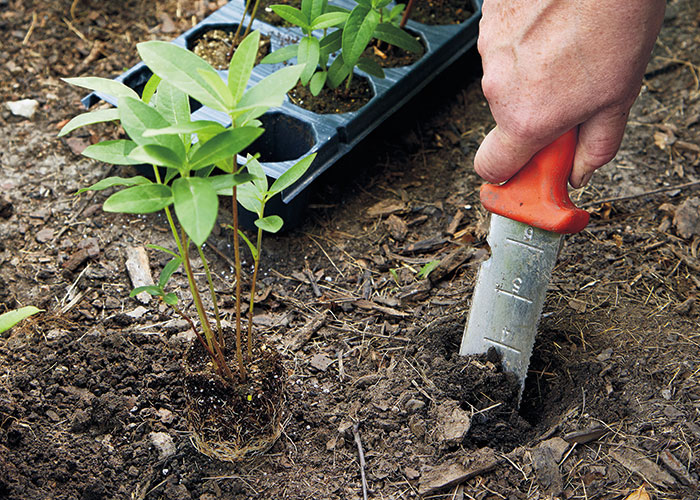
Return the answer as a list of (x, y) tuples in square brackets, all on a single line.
[(339, 100), (391, 56), (434, 12), (92, 391), (215, 46)]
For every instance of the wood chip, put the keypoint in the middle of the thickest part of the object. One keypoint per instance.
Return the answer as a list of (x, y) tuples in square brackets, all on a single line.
[(386, 207), (636, 462), (451, 263), (301, 336), (427, 245), (586, 435), (139, 269), (415, 291), (397, 228), (389, 311), (435, 479)]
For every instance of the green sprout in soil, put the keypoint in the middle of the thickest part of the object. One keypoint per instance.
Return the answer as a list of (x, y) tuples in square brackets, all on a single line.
[(11, 318), (194, 162), (353, 32)]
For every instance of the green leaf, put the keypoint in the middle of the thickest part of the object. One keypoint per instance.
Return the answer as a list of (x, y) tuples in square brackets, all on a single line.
[(313, 8), (154, 290), (273, 87), (370, 67), (103, 85), (337, 72), (292, 175), (242, 64), (180, 67), (271, 223), (170, 299), (215, 81), (114, 152), (172, 104), (259, 176), (291, 15), (11, 318), (317, 82), (249, 198), (280, 55), (223, 184), (224, 145), (142, 199), (163, 249), (379, 4), (365, 3), (168, 271), (309, 54), (137, 117), (331, 43), (427, 269), (150, 88), (387, 32), (251, 247), (102, 115), (155, 154), (357, 33), (396, 11), (329, 19), (196, 206), (116, 181), (203, 127)]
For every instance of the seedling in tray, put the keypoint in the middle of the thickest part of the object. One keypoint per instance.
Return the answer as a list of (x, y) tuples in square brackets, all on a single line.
[(355, 30), (199, 162)]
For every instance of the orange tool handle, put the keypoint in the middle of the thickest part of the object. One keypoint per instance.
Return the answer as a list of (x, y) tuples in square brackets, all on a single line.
[(537, 194)]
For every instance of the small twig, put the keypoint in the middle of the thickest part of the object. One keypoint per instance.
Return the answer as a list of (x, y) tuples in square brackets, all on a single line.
[(640, 195), (76, 31), (361, 453), (30, 30), (72, 8)]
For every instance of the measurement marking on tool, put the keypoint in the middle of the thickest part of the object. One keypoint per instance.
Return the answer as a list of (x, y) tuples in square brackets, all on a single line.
[(525, 245), (514, 295), (504, 346)]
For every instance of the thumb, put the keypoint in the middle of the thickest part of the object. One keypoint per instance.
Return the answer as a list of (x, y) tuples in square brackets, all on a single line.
[(500, 155), (599, 139)]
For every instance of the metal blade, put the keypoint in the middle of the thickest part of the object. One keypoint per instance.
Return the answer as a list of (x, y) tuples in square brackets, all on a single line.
[(509, 293)]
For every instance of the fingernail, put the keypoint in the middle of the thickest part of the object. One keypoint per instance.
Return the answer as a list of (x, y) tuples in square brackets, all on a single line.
[(584, 180)]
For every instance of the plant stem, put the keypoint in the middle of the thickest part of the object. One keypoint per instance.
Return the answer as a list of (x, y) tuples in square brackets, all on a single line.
[(234, 42), (199, 336), (406, 13), (256, 266), (211, 341), (212, 292), (237, 261), (252, 18), (347, 85)]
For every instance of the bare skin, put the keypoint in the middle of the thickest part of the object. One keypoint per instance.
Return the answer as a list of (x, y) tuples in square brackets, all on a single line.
[(552, 65)]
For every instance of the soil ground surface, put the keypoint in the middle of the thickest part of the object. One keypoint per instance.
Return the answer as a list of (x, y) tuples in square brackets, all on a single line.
[(92, 404)]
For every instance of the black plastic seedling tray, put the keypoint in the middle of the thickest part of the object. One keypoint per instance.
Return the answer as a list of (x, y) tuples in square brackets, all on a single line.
[(292, 132)]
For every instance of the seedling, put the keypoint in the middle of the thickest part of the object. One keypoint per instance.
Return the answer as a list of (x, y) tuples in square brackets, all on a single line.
[(368, 19), (198, 158), (11, 318)]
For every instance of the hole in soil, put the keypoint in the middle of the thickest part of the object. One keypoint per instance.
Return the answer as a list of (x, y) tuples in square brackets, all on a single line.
[(340, 100), (285, 138), (436, 12), (212, 42), (391, 56)]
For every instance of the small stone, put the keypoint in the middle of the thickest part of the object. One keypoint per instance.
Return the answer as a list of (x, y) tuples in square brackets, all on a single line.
[(417, 426), (414, 405), (112, 303), (25, 107), (165, 416), (80, 421), (605, 355), (411, 473), (53, 415), (137, 313), (167, 24), (320, 362), (44, 235), (164, 443), (666, 394)]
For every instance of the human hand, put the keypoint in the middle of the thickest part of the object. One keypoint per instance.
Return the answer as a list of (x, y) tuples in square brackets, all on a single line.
[(553, 65)]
